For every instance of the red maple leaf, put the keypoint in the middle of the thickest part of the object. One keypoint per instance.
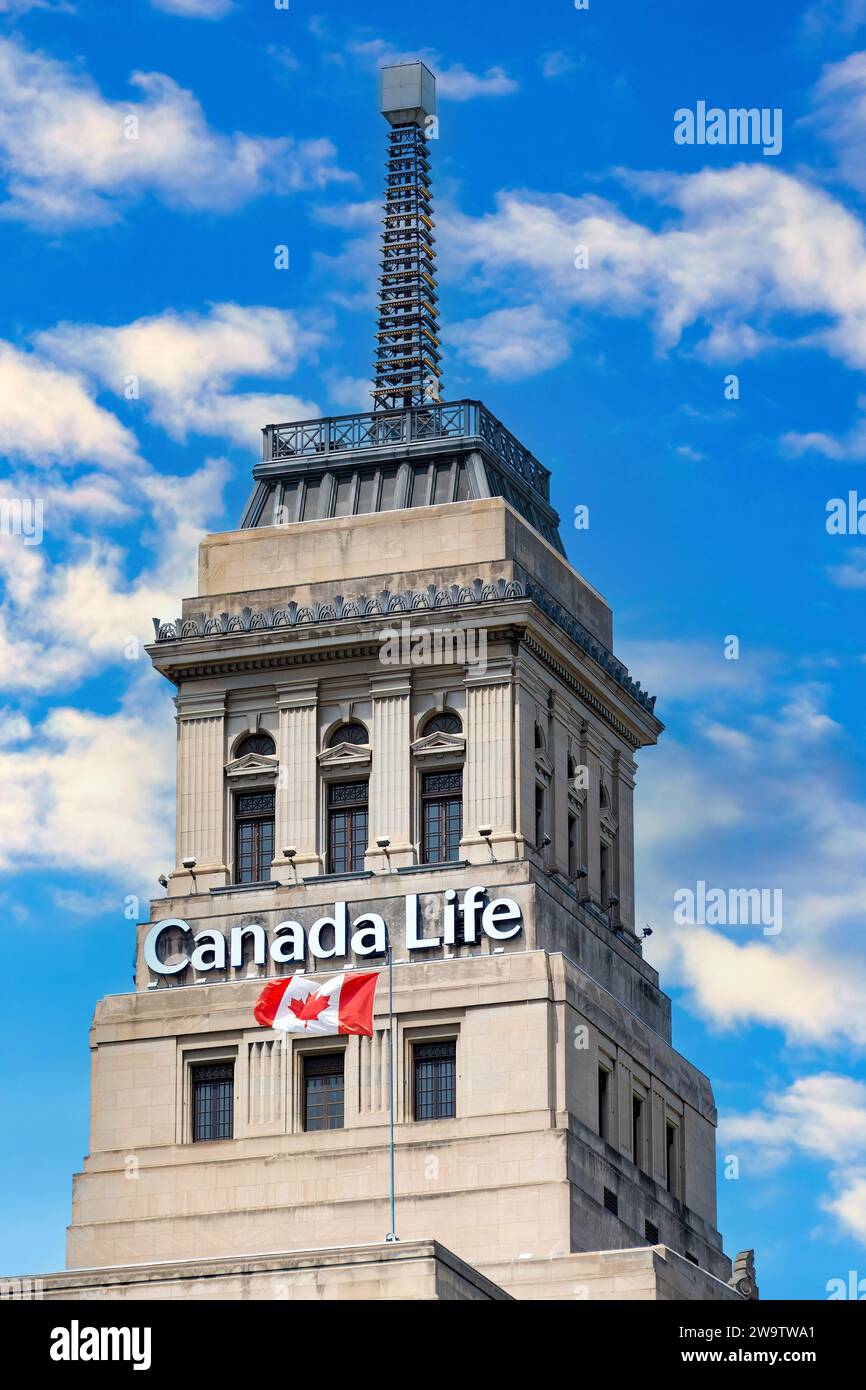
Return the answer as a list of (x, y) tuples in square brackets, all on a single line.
[(308, 1009)]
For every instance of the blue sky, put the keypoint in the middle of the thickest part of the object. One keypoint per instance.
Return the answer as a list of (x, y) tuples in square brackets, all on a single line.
[(153, 258)]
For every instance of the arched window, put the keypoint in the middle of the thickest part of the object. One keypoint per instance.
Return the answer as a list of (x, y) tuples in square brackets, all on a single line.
[(256, 743), (349, 733), (539, 737), (444, 723)]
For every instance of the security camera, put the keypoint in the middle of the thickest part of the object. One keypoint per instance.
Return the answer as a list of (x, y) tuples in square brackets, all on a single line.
[(647, 931), (613, 900), (545, 841), (188, 863), (289, 852), (485, 831), (383, 841), (163, 881)]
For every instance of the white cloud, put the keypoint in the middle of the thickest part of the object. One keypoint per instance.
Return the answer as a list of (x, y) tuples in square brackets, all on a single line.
[(850, 445), (731, 259), (558, 64), (455, 81), (186, 363), (194, 9), (843, 16), (69, 616), (14, 726), (71, 156), (510, 343), (851, 574), (840, 115), (822, 1116), (47, 415), (703, 812), (93, 793)]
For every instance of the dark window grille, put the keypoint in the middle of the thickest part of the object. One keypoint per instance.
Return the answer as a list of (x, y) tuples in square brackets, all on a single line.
[(212, 1101), (539, 815), (323, 1091), (435, 1080), (254, 836), (671, 1159), (441, 816), (573, 862), (651, 1231), (611, 1201), (256, 743), (443, 723), (602, 1101), (637, 1129), (347, 827), (348, 733)]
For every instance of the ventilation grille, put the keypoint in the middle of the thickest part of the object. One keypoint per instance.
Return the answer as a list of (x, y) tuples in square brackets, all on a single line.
[(651, 1231), (692, 1258), (611, 1201)]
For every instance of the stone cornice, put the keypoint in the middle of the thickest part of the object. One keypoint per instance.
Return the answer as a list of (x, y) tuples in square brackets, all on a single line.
[(385, 603)]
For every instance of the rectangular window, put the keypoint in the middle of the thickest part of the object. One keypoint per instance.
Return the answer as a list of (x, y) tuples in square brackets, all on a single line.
[(443, 485), (442, 816), (388, 494), (573, 862), (312, 498), (344, 494), (254, 836), (604, 875), (539, 815), (671, 1159), (367, 481), (323, 1091), (637, 1130), (212, 1101), (603, 1079), (347, 827), (435, 1080)]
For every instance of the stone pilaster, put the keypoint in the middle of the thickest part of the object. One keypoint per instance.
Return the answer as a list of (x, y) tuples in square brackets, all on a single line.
[(201, 797), (488, 777), (391, 772), (559, 787), (623, 809), (297, 782)]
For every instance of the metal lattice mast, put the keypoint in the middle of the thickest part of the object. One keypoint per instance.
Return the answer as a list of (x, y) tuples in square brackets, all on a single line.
[(408, 369)]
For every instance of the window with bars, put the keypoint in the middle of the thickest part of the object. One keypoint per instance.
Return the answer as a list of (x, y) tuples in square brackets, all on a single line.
[(435, 1066), (254, 836), (349, 733), (256, 743), (347, 827), (443, 723), (441, 816), (213, 1101), (323, 1091)]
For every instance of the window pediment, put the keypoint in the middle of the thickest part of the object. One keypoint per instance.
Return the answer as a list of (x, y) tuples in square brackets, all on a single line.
[(345, 755), (252, 765), (609, 825), (436, 744), (543, 765)]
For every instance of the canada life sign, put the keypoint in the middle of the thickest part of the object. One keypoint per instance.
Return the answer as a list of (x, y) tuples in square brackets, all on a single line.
[(334, 936)]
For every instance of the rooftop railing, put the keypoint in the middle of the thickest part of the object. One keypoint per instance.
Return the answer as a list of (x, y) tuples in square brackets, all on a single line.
[(458, 420)]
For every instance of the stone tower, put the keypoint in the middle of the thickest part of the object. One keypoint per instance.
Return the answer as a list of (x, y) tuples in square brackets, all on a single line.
[(397, 700)]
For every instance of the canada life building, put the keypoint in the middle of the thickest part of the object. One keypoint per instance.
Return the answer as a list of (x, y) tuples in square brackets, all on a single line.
[(399, 718)]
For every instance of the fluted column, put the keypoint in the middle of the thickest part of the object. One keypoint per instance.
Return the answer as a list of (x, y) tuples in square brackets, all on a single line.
[(297, 782), (201, 794), (391, 771), (488, 778)]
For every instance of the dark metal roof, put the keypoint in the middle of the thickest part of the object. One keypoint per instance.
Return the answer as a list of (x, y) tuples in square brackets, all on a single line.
[(346, 465)]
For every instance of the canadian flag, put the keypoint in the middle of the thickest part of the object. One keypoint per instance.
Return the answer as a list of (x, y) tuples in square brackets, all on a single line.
[(343, 1004)]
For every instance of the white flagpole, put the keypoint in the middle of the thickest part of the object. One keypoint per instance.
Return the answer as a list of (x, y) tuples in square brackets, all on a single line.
[(392, 1234)]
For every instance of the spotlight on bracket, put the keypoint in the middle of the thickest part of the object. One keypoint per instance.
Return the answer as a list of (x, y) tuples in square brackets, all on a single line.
[(485, 831), (189, 865)]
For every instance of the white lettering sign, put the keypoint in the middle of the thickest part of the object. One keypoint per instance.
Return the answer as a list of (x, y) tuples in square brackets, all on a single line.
[(329, 937)]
